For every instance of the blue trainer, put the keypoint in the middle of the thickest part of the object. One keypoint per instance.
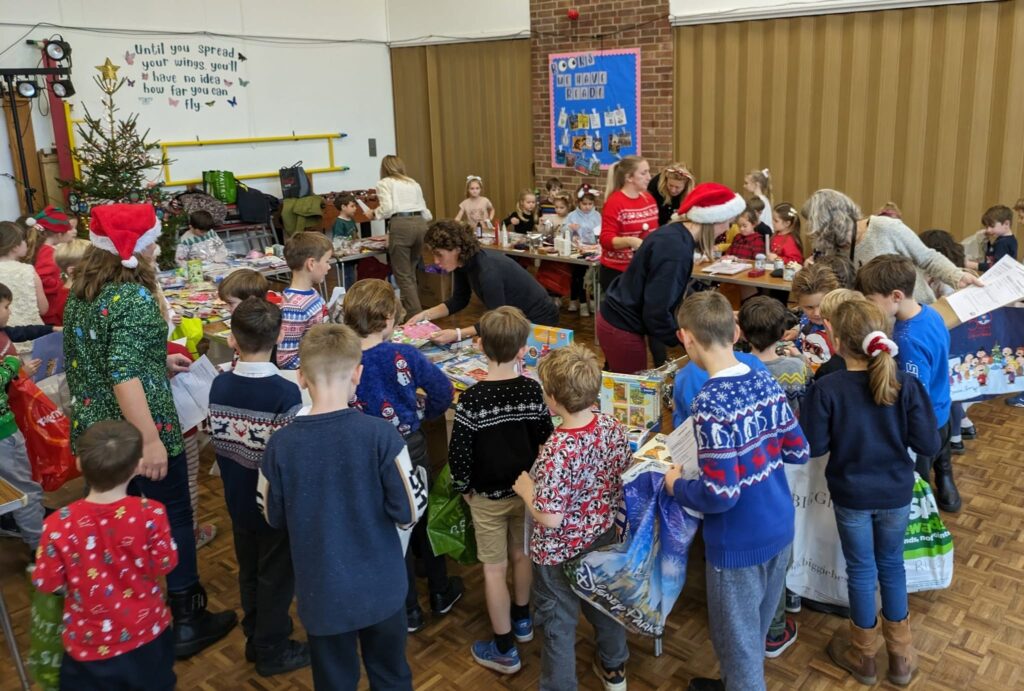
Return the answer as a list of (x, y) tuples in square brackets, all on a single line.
[(1016, 401), (487, 655), (523, 629)]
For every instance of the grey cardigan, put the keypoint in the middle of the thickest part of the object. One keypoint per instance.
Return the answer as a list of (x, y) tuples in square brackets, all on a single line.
[(891, 236)]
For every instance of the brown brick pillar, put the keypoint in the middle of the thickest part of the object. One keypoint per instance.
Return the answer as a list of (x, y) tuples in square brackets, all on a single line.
[(602, 25)]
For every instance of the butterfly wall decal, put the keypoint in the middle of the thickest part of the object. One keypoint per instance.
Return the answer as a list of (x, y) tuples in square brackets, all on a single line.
[(145, 100), (242, 57), (210, 104), (228, 82), (233, 101), (129, 57), (243, 82), (145, 76), (173, 101), (131, 82)]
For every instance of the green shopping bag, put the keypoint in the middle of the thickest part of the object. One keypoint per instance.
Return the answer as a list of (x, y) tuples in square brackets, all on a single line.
[(221, 185), (449, 525), (47, 648), (928, 544)]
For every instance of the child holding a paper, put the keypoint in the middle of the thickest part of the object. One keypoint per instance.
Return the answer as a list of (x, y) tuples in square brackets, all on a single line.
[(866, 418), (745, 432), (247, 405), (888, 280), (393, 374), (572, 493), (340, 482)]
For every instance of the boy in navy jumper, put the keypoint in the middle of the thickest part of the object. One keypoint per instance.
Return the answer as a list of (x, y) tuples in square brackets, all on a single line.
[(247, 405), (393, 372), (923, 341), (342, 484), (745, 432), (998, 224)]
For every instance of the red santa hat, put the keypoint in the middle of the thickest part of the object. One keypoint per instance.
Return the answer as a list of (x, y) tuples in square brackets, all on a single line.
[(52, 218), (124, 230), (710, 202)]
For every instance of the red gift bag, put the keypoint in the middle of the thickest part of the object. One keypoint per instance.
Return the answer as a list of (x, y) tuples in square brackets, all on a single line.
[(556, 277), (47, 434)]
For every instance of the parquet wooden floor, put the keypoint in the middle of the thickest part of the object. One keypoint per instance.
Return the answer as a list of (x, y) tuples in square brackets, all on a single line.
[(970, 636)]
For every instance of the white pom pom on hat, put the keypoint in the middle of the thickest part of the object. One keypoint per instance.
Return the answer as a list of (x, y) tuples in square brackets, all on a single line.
[(124, 230), (710, 202)]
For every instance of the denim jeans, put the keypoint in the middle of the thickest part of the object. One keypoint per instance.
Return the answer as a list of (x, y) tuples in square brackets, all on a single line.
[(558, 607), (872, 543), (17, 471), (173, 493)]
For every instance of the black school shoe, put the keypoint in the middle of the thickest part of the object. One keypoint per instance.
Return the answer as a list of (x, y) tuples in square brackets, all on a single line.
[(826, 608), (414, 620), (442, 603), (957, 447), (705, 684), (290, 656), (969, 432)]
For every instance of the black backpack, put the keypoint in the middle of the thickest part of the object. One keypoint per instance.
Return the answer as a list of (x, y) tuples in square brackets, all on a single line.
[(294, 182), (253, 205)]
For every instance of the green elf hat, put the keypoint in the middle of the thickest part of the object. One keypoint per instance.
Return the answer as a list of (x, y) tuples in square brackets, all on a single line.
[(52, 218)]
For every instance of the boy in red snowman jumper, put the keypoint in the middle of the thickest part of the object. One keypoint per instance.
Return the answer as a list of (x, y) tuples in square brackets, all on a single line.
[(392, 375), (111, 551)]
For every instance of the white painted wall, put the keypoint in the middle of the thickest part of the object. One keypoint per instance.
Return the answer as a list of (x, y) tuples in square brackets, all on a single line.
[(414, 22), (309, 85), (684, 12)]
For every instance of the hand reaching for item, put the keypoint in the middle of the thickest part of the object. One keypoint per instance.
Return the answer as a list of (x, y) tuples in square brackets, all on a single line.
[(31, 366), (444, 336)]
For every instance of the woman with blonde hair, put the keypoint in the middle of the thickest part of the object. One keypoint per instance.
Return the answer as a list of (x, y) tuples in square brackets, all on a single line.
[(669, 188), (836, 226), (629, 215), (402, 205)]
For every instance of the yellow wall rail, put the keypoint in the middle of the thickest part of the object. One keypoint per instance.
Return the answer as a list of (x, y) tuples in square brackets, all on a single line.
[(331, 167), (329, 137)]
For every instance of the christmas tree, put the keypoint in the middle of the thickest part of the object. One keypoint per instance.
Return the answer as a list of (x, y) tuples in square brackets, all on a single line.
[(114, 158)]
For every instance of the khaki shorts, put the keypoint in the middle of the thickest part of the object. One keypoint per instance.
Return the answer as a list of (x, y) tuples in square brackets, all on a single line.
[(500, 525)]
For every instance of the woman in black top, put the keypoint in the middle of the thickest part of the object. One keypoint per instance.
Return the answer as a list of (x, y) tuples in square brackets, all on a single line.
[(496, 278), (669, 188)]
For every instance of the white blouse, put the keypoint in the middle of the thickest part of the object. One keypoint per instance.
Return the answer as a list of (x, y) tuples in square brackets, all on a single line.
[(400, 196)]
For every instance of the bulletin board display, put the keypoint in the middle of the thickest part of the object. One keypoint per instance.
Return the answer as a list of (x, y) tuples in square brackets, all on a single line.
[(595, 108)]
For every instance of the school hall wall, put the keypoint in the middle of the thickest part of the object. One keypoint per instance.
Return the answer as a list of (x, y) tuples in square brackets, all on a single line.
[(317, 66), (919, 106)]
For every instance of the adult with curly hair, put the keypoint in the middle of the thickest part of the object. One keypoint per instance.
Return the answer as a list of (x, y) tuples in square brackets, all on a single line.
[(496, 278), (115, 344), (836, 226)]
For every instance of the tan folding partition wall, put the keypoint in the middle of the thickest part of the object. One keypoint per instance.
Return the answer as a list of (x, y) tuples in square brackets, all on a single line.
[(923, 107), (465, 109)]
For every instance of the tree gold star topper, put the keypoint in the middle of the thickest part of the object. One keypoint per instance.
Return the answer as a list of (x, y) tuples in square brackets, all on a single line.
[(108, 73)]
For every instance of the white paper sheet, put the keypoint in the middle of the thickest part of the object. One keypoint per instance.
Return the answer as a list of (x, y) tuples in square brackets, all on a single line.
[(1004, 283), (191, 392), (682, 447)]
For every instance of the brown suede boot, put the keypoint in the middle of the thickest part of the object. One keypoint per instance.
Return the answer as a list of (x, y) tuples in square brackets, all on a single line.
[(856, 654), (900, 646)]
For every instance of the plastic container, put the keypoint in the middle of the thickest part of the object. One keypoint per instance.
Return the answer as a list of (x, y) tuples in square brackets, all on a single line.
[(759, 262)]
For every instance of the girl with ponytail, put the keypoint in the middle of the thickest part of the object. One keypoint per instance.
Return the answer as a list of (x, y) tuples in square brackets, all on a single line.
[(865, 419)]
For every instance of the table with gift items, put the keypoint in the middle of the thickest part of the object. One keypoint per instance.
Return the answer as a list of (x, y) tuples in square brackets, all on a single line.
[(758, 273), (553, 254)]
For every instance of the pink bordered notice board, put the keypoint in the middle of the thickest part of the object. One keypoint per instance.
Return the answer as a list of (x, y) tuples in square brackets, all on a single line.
[(595, 108)]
